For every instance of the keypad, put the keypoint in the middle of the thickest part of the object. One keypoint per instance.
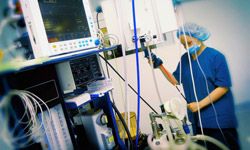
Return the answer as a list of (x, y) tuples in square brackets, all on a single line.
[(72, 46)]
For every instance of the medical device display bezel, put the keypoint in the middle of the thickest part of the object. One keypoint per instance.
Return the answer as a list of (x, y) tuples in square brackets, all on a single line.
[(38, 36)]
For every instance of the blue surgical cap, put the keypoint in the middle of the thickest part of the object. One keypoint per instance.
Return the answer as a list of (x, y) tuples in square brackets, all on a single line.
[(194, 30)]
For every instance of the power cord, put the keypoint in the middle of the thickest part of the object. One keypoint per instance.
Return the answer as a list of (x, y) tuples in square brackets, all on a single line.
[(124, 125), (128, 84)]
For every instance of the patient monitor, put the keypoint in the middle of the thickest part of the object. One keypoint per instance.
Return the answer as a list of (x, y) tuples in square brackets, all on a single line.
[(57, 27)]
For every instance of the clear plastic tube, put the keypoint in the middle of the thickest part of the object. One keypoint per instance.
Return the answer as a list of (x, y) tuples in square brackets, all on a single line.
[(215, 112), (124, 45), (154, 77), (191, 71)]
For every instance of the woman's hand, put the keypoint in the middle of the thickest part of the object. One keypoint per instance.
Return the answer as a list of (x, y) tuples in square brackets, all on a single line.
[(193, 106), (215, 95)]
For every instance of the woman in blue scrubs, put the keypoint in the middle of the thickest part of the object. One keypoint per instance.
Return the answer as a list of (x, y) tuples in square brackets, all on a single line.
[(212, 83)]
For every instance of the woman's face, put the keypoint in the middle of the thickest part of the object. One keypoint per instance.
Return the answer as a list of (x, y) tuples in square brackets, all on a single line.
[(190, 41)]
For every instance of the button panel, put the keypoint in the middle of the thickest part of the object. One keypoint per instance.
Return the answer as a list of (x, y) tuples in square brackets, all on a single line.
[(64, 47)]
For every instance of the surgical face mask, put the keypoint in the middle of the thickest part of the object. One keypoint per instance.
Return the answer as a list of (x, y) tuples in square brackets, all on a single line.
[(193, 49)]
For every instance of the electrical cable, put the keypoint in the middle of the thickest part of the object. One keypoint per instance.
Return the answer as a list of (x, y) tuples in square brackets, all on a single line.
[(180, 93), (28, 97), (98, 27), (30, 103), (116, 42), (129, 85), (107, 69), (125, 98), (122, 93), (120, 17), (124, 125), (97, 20), (26, 113), (168, 76), (32, 109), (103, 38)]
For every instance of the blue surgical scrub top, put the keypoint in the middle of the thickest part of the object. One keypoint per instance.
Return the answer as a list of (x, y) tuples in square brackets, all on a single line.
[(217, 73)]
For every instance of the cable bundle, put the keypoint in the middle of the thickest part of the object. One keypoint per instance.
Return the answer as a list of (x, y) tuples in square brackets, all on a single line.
[(19, 132)]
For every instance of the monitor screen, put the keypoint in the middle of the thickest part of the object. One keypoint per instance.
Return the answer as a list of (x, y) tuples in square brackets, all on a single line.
[(64, 20)]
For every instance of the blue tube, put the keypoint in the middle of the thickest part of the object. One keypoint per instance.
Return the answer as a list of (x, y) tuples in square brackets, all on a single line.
[(138, 75)]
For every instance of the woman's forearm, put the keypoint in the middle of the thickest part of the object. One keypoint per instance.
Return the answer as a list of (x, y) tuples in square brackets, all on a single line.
[(215, 95), (168, 75)]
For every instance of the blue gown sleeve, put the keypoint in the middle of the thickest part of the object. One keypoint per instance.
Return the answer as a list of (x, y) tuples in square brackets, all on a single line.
[(221, 71), (176, 73)]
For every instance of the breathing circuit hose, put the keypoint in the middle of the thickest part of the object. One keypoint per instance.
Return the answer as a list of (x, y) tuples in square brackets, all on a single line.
[(210, 139)]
